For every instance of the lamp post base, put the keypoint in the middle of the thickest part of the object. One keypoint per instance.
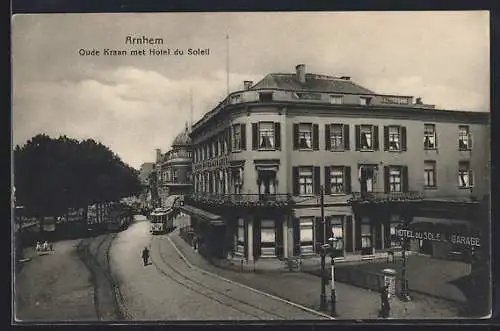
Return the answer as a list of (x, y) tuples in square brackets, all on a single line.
[(333, 310), (322, 304)]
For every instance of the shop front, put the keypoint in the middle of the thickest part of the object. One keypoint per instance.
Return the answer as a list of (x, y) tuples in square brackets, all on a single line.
[(210, 231)]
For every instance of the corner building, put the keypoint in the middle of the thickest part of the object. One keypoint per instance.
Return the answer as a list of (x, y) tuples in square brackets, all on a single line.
[(264, 154), (173, 169)]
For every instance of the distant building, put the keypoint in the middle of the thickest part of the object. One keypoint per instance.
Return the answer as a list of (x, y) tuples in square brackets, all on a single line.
[(173, 169), (262, 156), (144, 172)]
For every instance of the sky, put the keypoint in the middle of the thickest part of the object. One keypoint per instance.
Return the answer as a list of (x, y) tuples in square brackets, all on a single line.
[(135, 104)]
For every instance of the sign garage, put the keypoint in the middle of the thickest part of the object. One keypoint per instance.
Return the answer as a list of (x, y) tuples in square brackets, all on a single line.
[(456, 239)]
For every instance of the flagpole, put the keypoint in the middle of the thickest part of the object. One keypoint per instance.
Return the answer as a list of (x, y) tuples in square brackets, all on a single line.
[(227, 64)]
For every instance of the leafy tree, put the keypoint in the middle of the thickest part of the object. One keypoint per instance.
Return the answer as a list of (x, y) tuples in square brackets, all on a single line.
[(53, 175)]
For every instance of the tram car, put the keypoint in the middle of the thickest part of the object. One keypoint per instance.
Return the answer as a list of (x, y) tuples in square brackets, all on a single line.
[(118, 217), (162, 220)]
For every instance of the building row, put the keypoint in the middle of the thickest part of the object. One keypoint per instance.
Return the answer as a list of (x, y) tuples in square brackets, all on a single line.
[(281, 166)]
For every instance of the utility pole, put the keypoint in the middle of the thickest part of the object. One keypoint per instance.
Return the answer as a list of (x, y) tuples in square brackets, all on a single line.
[(323, 251), (322, 203)]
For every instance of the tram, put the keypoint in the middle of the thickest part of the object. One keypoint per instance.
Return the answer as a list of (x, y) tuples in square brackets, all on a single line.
[(162, 220)]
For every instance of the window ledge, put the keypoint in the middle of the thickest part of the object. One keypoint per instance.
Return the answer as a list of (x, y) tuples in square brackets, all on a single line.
[(366, 150), (236, 151), (267, 149), (395, 150), (338, 150), (465, 187), (338, 194), (430, 187), (430, 148), (465, 149), (305, 149)]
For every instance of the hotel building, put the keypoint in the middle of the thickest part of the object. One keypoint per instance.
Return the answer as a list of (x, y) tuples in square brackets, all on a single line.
[(264, 157)]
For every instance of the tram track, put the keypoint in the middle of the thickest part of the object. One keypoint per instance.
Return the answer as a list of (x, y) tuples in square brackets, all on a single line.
[(206, 291), (108, 302)]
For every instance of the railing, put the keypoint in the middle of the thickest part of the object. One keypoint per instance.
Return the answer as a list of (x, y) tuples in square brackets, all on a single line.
[(242, 200), (177, 155), (386, 197)]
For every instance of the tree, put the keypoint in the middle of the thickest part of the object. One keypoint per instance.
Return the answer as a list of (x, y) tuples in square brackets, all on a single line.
[(52, 175)]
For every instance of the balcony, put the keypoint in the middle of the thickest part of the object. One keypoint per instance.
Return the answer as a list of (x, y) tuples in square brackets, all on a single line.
[(177, 156), (240, 200), (383, 197)]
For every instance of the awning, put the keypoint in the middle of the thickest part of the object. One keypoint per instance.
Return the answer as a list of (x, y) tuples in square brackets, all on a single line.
[(213, 219), (439, 223)]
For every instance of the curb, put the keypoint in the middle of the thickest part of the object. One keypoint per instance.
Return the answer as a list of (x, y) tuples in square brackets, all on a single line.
[(190, 265)]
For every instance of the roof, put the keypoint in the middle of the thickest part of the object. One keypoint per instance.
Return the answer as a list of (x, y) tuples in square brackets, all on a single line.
[(182, 139), (319, 83)]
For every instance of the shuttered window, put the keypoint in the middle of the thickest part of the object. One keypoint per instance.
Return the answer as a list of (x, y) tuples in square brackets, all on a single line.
[(366, 137), (306, 181), (465, 175), (306, 235)]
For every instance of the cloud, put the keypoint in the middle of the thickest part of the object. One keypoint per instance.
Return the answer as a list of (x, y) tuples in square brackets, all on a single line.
[(136, 104), (129, 109)]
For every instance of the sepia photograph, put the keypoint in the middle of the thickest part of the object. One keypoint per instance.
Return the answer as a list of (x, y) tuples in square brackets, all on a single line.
[(251, 166)]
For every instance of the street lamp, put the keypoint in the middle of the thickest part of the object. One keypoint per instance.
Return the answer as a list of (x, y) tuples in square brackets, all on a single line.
[(333, 307), (323, 252), (404, 285)]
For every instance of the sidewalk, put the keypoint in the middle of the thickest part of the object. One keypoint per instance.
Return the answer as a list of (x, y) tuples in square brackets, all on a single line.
[(54, 286), (352, 302)]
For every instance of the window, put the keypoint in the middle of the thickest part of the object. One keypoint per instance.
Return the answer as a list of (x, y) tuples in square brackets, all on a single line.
[(267, 238), (394, 179), (337, 180), (430, 136), (430, 174), (394, 138), (175, 175), (365, 101), (266, 96), (266, 135), (306, 235), (395, 224), (366, 137), (336, 99), (464, 139), (306, 181), (465, 175), (366, 236), (237, 177), (236, 137), (305, 136), (394, 100), (337, 232), (337, 137), (235, 98), (240, 237)]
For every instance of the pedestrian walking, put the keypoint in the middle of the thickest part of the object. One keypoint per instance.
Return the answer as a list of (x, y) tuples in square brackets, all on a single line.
[(195, 242), (145, 256), (384, 302)]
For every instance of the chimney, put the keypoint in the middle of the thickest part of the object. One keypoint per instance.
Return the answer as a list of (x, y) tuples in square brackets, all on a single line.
[(158, 154), (345, 77), (247, 84), (300, 69), (418, 101)]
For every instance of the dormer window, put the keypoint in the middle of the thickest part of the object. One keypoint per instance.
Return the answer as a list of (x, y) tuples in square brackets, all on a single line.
[(266, 96), (236, 98), (336, 99), (365, 101)]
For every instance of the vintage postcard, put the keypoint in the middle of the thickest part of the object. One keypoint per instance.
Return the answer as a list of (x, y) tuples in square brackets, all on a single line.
[(250, 167)]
